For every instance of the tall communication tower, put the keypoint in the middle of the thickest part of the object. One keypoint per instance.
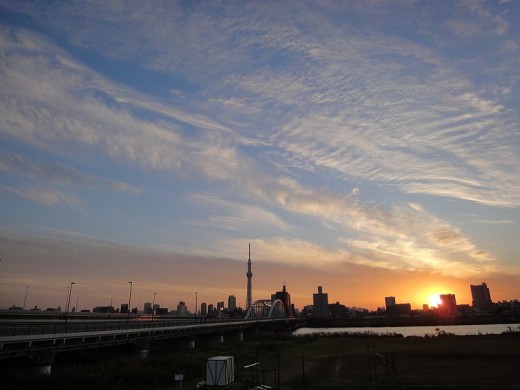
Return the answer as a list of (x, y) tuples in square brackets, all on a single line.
[(249, 274)]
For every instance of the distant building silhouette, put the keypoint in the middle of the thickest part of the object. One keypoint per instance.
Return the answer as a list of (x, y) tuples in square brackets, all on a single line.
[(232, 303), (320, 302), (481, 297), (285, 297), (147, 308), (220, 306), (509, 307), (394, 309), (203, 309), (389, 301), (182, 309), (160, 310), (337, 310), (104, 309), (399, 310), (124, 308), (448, 306), (211, 310), (307, 311)]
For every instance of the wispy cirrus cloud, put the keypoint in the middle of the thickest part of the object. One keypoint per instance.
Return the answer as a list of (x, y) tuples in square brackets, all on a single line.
[(401, 237), (234, 215), (389, 131), (48, 196), (15, 164), (73, 105), (356, 108)]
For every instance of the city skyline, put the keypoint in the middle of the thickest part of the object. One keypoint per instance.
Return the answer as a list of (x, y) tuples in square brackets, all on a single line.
[(479, 292), (369, 147)]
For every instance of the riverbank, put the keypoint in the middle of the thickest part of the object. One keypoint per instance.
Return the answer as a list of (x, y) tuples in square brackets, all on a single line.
[(310, 362), (410, 321), (420, 331)]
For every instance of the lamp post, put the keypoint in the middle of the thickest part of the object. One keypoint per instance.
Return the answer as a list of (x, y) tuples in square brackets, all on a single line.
[(196, 304), (68, 304), (129, 300), (68, 299), (25, 299), (153, 304)]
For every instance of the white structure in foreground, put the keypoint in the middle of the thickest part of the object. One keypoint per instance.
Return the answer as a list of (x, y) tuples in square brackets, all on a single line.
[(220, 372)]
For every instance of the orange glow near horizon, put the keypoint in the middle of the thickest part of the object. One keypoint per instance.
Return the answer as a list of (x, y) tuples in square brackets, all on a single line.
[(430, 293), (434, 300)]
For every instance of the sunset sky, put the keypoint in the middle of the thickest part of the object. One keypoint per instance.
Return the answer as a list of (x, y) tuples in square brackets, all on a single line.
[(369, 147)]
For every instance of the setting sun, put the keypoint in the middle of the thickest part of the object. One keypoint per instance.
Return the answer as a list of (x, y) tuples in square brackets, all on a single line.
[(434, 300)]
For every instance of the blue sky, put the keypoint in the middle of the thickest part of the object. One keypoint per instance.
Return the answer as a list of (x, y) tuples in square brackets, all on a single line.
[(152, 141)]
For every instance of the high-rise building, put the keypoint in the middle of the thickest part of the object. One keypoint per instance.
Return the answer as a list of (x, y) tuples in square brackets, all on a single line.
[(232, 303), (389, 301), (285, 297), (147, 309), (211, 309), (182, 309), (220, 306), (448, 306), (124, 308), (320, 301), (481, 297), (249, 274), (203, 309)]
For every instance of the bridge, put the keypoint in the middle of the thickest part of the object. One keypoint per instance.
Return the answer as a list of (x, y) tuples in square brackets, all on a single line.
[(41, 340), (266, 308)]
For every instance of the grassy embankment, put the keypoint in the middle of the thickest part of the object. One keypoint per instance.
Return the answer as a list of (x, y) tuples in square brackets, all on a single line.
[(329, 362)]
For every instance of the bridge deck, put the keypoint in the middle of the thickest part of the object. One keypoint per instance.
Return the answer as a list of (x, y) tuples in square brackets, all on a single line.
[(37, 344)]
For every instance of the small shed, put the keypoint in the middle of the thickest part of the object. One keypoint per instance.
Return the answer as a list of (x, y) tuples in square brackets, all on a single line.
[(220, 372)]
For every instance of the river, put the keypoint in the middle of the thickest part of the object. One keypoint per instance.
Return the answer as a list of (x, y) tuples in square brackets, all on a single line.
[(459, 330)]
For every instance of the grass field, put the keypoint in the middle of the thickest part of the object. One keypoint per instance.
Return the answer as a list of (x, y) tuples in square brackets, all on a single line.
[(435, 362), (340, 362)]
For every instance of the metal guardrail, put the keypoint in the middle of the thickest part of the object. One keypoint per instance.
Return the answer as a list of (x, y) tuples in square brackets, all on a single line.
[(137, 332), (59, 326)]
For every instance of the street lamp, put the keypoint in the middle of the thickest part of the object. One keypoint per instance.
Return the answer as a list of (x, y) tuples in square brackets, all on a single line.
[(68, 299), (25, 299), (153, 304), (129, 300), (67, 309), (66, 302), (196, 304)]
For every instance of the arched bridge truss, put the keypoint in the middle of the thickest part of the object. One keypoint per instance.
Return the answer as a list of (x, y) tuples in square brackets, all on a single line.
[(266, 308)]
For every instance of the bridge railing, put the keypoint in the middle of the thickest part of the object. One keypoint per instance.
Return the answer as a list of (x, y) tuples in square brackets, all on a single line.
[(63, 326)]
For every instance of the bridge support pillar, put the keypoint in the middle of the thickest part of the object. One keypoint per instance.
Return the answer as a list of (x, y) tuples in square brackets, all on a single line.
[(235, 336), (42, 364), (142, 350), (187, 344), (216, 338)]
